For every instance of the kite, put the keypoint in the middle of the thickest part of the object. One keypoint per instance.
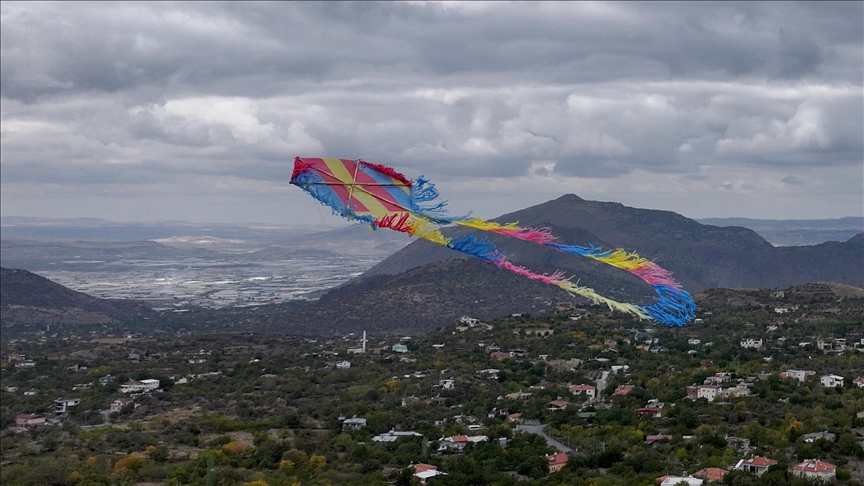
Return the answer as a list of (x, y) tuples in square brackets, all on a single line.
[(383, 198)]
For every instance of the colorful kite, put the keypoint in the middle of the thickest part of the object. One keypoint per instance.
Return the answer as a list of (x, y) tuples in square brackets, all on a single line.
[(384, 198)]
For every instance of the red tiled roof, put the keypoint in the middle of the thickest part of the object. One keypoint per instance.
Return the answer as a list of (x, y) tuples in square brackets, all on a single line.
[(559, 403), (459, 438), (556, 459), (649, 410), (418, 468), (814, 465), (581, 387), (711, 473), (760, 461), (623, 390)]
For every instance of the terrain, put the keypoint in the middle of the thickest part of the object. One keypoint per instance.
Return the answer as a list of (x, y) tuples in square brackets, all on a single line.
[(424, 285)]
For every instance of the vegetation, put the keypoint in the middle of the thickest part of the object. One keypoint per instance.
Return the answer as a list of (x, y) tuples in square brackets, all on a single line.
[(243, 408)]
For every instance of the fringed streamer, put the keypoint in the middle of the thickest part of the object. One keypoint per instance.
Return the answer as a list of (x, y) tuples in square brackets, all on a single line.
[(674, 307)]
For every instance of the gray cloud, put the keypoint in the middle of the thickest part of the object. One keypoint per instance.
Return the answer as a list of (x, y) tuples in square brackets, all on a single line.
[(563, 94)]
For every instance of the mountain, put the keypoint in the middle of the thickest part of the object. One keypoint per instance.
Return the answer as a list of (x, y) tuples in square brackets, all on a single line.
[(28, 300), (423, 286), (792, 232)]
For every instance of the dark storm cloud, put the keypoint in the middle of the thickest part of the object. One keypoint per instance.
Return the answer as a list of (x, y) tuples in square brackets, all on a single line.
[(152, 93)]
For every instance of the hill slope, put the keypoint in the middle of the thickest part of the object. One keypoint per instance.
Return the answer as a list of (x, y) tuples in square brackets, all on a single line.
[(424, 285), (28, 300)]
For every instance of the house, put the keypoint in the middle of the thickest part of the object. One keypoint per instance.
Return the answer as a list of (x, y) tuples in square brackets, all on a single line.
[(353, 423), (31, 393), (588, 390), (755, 465), (394, 435), (457, 443), (738, 444), (799, 375), (859, 382), (29, 420), (650, 411), (120, 403), (831, 381), (343, 365), (714, 474), (448, 384), (676, 480), (25, 364), (426, 471), (811, 438), (650, 439), (555, 462), (556, 405), (15, 357), (751, 343), (520, 395), (400, 348), (62, 405), (134, 386), (815, 469), (514, 418), (708, 392), (622, 390)]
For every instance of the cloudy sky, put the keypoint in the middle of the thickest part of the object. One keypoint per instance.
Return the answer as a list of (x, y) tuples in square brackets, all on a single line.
[(195, 111)]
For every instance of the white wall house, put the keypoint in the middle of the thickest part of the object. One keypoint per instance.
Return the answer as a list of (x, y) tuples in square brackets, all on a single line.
[(139, 386), (751, 343), (831, 381)]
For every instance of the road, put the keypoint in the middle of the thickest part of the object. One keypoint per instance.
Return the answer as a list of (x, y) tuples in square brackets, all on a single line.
[(601, 384), (552, 441)]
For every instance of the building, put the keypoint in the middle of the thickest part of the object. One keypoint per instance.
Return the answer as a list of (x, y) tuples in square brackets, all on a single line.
[(29, 420), (676, 480), (831, 381), (556, 405), (353, 423), (400, 348), (708, 392), (799, 375), (62, 405), (714, 474), (120, 403), (139, 386), (815, 469), (751, 343), (394, 435), (655, 412), (343, 365), (556, 462), (25, 364), (426, 471), (588, 390), (622, 390), (756, 465)]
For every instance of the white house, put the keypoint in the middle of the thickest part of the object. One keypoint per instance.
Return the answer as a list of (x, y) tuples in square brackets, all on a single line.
[(62, 405), (139, 386), (708, 392), (588, 390), (343, 365), (120, 403), (859, 382), (354, 423), (831, 381), (799, 375), (751, 343), (676, 480), (815, 469)]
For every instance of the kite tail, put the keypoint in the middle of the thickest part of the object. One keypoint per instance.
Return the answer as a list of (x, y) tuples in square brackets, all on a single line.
[(423, 191)]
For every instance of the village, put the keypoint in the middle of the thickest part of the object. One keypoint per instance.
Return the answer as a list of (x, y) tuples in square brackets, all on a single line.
[(557, 399)]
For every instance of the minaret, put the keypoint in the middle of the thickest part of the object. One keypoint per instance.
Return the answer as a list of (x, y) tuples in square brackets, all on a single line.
[(364, 342)]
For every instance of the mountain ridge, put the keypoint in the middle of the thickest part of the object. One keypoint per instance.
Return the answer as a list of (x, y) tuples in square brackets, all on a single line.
[(700, 257)]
